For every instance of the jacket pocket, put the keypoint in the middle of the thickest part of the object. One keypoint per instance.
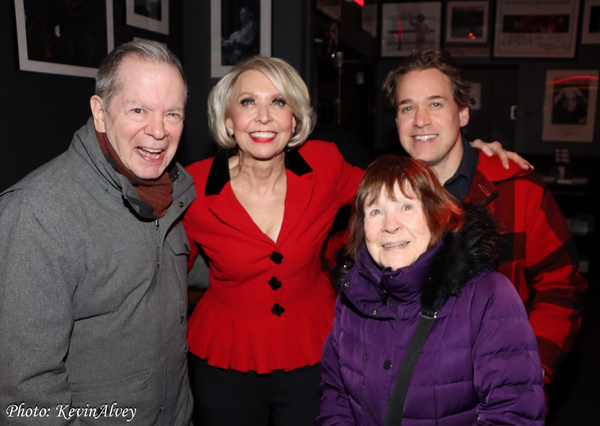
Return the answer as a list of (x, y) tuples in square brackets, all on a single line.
[(127, 401)]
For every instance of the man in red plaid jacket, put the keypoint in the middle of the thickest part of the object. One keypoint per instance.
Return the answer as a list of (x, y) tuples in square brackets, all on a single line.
[(431, 97)]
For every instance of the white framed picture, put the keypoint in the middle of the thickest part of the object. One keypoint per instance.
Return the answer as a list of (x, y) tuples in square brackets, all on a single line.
[(536, 28), (467, 22), (151, 15), (71, 41), (570, 105), (590, 31), (409, 26), (238, 29)]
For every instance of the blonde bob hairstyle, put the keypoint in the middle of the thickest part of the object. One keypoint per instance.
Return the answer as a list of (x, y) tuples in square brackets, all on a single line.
[(287, 81)]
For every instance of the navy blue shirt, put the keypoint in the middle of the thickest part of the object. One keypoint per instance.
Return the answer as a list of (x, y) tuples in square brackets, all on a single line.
[(459, 184)]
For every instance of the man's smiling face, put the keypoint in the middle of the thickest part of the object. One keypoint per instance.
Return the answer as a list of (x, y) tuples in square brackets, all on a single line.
[(144, 121), (429, 120)]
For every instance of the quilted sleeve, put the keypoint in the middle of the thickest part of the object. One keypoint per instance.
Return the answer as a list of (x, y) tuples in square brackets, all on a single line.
[(508, 376), (335, 406)]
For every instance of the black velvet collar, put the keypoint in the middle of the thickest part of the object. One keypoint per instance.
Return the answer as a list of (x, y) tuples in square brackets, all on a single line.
[(219, 171)]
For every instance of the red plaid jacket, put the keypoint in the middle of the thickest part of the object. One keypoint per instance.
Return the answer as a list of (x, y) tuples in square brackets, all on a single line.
[(538, 253)]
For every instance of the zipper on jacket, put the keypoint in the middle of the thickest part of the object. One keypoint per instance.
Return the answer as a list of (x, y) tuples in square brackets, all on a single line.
[(158, 253)]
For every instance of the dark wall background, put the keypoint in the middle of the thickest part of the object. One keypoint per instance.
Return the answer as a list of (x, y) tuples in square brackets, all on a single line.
[(505, 82), (40, 112), (290, 37)]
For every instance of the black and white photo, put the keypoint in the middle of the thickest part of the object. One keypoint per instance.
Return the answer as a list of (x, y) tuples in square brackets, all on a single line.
[(59, 37)]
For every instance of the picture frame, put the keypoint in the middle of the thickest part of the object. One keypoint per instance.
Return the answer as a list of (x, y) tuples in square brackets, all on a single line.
[(236, 34), (590, 31), (151, 15), (73, 42), (475, 94), (409, 26), (467, 22), (536, 29), (570, 105)]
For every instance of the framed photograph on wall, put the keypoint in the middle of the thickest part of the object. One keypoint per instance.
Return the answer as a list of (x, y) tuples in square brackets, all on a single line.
[(71, 39), (475, 94), (409, 26), (570, 105), (536, 28), (467, 21), (151, 15), (590, 32), (239, 29)]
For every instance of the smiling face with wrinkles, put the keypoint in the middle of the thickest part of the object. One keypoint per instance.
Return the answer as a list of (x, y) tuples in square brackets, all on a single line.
[(396, 229), (145, 119)]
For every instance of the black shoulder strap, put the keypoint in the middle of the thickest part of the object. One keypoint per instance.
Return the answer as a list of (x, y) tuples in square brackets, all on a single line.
[(396, 407)]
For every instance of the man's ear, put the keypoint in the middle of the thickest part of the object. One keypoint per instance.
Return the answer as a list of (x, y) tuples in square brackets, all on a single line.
[(98, 113), (463, 115)]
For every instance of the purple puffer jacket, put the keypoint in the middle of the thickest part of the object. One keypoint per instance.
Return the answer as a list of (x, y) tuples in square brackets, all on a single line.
[(479, 365)]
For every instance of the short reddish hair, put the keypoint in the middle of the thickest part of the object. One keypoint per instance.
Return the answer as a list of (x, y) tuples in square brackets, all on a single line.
[(416, 179)]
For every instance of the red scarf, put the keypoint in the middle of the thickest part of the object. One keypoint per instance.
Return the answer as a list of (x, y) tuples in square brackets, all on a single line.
[(157, 193)]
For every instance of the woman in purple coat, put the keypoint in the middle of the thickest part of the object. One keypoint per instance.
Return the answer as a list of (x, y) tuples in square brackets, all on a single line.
[(414, 248)]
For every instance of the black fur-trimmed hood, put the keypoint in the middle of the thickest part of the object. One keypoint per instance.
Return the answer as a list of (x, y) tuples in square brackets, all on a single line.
[(462, 255)]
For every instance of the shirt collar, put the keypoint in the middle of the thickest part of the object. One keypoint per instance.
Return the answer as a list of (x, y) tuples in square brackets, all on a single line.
[(459, 184)]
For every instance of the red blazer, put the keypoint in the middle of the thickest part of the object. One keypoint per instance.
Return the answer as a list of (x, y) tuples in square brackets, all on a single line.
[(269, 305)]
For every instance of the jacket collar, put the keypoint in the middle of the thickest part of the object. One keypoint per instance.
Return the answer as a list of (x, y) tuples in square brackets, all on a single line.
[(218, 175), (482, 191), (490, 172), (437, 275), (369, 287), (86, 145), (225, 205)]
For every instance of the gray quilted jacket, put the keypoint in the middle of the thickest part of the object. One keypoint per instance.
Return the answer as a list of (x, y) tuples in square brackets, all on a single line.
[(92, 297)]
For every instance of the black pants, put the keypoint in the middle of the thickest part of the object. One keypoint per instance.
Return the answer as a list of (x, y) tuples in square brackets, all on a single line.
[(231, 398)]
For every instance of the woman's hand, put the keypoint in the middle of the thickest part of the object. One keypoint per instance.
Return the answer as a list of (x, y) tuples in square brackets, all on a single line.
[(495, 148)]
